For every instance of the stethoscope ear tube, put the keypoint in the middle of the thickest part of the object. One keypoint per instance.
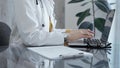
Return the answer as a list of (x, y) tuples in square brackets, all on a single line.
[(36, 2)]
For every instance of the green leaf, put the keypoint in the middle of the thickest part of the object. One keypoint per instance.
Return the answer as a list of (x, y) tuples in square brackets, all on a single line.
[(99, 23), (86, 12), (112, 3), (75, 1), (102, 5), (75, 66), (82, 15), (86, 25), (84, 3)]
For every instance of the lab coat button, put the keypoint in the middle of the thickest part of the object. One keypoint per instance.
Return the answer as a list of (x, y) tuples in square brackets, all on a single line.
[(43, 25)]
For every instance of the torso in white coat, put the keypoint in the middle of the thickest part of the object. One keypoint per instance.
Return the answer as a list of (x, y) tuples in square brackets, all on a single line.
[(31, 23)]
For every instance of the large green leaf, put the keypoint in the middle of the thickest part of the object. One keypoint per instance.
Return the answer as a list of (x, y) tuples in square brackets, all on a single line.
[(103, 5), (86, 25), (99, 23), (82, 15), (75, 1)]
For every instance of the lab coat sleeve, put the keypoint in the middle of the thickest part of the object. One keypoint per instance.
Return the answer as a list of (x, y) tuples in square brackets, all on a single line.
[(28, 27)]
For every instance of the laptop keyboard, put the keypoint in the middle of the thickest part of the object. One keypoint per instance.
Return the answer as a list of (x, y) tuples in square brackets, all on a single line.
[(96, 43), (93, 42)]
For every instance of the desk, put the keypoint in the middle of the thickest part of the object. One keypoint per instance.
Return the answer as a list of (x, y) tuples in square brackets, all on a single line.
[(63, 57), (48, 57), (30, 59)]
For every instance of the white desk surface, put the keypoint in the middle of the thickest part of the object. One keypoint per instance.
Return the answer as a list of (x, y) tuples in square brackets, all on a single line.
[(53, 52)]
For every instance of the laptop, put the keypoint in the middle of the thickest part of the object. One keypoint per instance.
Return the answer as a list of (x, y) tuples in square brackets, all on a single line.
[(102, 41)]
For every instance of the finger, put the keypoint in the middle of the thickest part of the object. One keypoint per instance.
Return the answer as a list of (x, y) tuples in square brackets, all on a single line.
[(90, 31), (87, 36), (84, 31), (91, 34), (87, 33)]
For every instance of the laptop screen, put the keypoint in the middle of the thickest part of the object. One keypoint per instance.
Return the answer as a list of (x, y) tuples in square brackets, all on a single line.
[(107, 26)]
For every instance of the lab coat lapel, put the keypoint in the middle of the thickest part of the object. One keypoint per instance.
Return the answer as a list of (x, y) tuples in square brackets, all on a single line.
[(45, 17), (49, 9)]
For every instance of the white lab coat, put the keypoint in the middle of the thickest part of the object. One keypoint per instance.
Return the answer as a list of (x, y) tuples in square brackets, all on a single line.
[(30, 26), (31, 23)]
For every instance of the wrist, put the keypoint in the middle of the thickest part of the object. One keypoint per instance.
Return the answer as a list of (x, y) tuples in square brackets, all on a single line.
[(68, 31), (66, 40)]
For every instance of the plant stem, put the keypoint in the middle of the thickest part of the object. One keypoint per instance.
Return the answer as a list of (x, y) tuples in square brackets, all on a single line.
[(93, 10)]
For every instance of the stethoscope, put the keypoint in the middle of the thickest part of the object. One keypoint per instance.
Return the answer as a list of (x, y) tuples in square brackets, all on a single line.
[(36, 2), (41, 3)]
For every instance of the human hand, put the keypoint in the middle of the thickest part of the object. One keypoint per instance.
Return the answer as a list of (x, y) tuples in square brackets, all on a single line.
[(80, 33)]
